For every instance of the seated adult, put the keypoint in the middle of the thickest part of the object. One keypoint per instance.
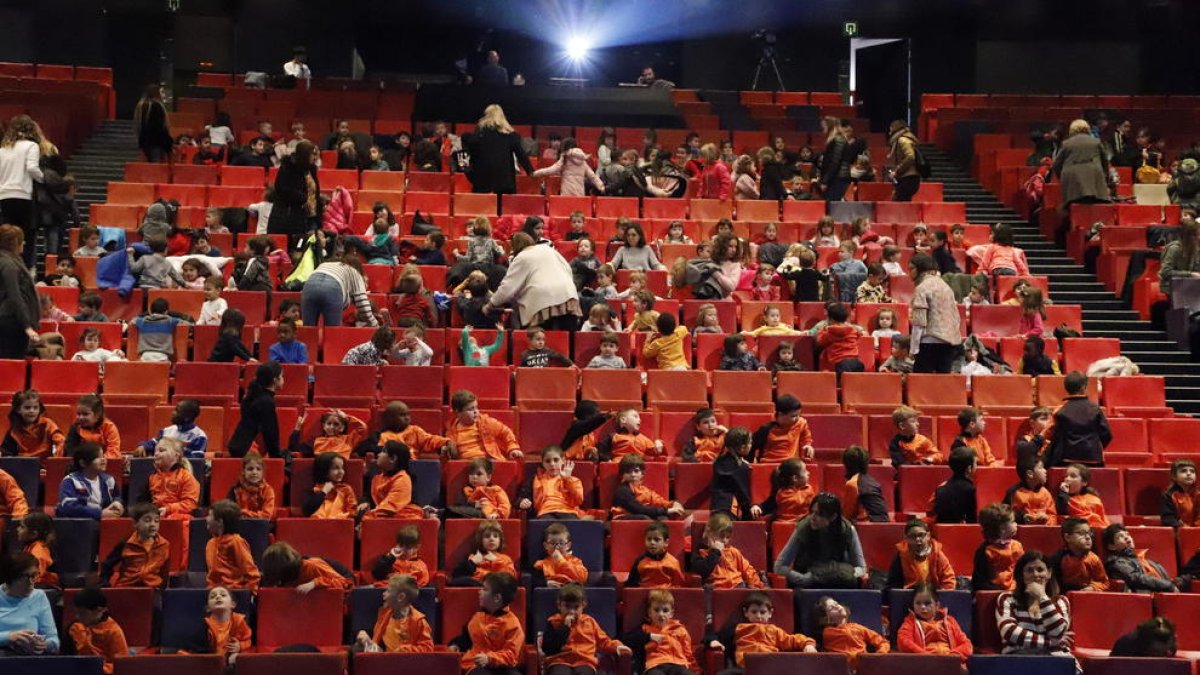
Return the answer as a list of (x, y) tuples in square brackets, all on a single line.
[(824, 550), (649, 79), (1035, 618), (26, 621), (261, 153), (1153, 637), (492, 73)]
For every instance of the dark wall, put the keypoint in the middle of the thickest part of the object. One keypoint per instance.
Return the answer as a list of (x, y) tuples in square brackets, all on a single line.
[(266, 30), (1068, 68)]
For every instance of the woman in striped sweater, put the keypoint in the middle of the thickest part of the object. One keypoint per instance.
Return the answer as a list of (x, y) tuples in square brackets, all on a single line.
[(1035, 618)]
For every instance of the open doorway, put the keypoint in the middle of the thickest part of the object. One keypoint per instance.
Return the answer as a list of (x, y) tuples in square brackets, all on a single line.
[(881, 79)]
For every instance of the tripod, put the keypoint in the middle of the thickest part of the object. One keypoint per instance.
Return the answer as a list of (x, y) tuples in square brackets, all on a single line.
[(762, 61)]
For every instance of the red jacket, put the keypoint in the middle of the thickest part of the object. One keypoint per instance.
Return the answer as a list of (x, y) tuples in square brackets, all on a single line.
[(942, 635), (838, 342), (715, 182)]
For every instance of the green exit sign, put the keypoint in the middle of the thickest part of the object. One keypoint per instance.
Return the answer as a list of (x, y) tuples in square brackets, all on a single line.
[(850, 29)]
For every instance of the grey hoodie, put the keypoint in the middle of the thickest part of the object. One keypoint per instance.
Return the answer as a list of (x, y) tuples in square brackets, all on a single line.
[(155, 225)]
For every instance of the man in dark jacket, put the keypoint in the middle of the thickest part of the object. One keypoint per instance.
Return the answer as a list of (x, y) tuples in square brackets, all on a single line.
[(1080, 428)]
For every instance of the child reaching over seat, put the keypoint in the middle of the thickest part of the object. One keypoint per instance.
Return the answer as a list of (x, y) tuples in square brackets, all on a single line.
[(559, 567), (227, 553), (35, 534), (719, 563), (662, 645), (1076, 566), (391, 494), (997, 556), (708, 441), (791, 494), (340, 434), (579, 441), (752, 632), (31, 433), (399, 628), (396, 425), (786, 436), (920, 560), (479, 498), (331, 496), (633, 500), (554, 493), (488, 557), (1076, 498), (94, 632), (1125, 563), (226, 632), (184, 429), (666, 344), (627, 439), (1031, 502), (141, 560), (92, 427), (1180, 504), (403, 559), (839, 635), (572, 639), (476, 434), (909, 446), (252, 493), (283, 566), (930, 629)]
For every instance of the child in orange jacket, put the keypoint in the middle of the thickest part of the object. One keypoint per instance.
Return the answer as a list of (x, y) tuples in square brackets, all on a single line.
[(1076, 497), (972, 423), (30, 432), (929, 628), (721, 564), (839, 635), (283, 566), (786, 436), (909, 446), (656, 567), (791, 493), (227, 554), (753, 633), (572, 640), (627, 439), (391, 493), (479, 498), (403, 559), (1031, 502), (476, 434), (997, 556), (91, 426), (35, 534), (1076, 566), (579, 440), (226, 632), (142, 559), (94, 632), (559, 567), (555, 492), (173, 488), (493, 638), (709, 440), (396, 425), (399, 627), (340, 433), (920, 560), (488, 557), (331, 496), (252, 493), (633, 500), (12, 500), (662, 641)]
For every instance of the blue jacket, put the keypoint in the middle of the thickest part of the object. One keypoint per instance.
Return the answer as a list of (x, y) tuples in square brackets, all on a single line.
[(112, 271), (293, 352), (73, 496)]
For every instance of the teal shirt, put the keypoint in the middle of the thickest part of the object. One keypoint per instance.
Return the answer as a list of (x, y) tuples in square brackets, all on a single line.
[(28, 613), (480, 355)]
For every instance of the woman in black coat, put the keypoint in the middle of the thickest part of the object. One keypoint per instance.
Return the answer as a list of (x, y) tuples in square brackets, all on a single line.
[(19, 310), (297, 202), (771, 185), (492, 148), (258, 414), (150, 121)]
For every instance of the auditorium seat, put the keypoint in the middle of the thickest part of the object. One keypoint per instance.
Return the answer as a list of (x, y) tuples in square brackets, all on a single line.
[(677, 389), (1003, 394), (387, 663), (177, 664), (871, 393), (612, 388), (1098, 619), (959, 542), (1079, 353), (344, 386), (1136, 396), (332, 539), (209, 383), (742, 391), (937, 394), (64, 381), (1004, 664), (26, 471)]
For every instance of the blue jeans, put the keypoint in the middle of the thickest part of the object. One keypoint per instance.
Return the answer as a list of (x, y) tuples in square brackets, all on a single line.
[(322, 297)]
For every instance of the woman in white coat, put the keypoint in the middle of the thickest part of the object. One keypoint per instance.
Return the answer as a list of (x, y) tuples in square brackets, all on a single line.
[(19, 158), (540, 286)]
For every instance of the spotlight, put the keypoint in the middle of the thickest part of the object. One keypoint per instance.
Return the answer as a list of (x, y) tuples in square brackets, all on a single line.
[(578, 48)]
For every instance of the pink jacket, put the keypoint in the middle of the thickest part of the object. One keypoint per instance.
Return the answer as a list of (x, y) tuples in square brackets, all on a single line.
[(574, 169), (999, 256), (338, 212), (715, 182)]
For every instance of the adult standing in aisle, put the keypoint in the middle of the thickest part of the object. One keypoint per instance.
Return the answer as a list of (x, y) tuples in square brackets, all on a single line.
[(20, 166), (150, 121)]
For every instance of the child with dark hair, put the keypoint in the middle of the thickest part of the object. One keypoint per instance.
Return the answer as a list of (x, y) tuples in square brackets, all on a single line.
[(404, 558), (731, 475), (152, 269), (1034, 360), (1125, 563), (863, 495), (229, 345), (493, 638), (1076, 497), (1152, 637), (791, 493), (1180, 505), (94, 632), (901, 360), (1031, 502), (708, 441), (579, 441), (227, 553), (634, 500), (156, 332), (656, 567), (31, 433), (753, 633), (839, 341), (954, 500), (1077, 567), (1081, 430), (141, 560), (930, 629), (539, 355), (572, 639), (35, 534), (971, 424), (736, 355), (920, 560), (718, 562), (184, 429), (666, 344), (786, 436)]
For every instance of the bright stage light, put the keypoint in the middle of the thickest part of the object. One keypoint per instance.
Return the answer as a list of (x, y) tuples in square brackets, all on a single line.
[(578, 48)]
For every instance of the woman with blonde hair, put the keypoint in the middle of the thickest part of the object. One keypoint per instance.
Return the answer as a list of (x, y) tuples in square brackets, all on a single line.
[(1082, 167), (492, 147), (715, 182)]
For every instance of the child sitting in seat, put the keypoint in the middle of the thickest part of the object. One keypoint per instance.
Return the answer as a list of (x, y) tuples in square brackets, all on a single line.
[(396, 425), (627, 439), (50, 312), (475, 355), (610, 345), (1076, 498), (662, 644), (862, 494), (572, 639), (1031, 502), (772, 318), (901, 360), (90, 349), (1125, 563), (954, 500), (930, 629), (633, 500), (493, 638), (539, 355), (841, 636), (666, 344), (403, 559), (753, 633), (909, 446), (1180, 506), (228, 633), (31, 433), (559, 567), (971, 424), (872, 288), (737, 355), (94, 632), (838, 341), (331, 496), (90, 305), (719, 563), (786, 436), (391, 493), (476, 434), (64, 274), (287, 349), (141, 560), (554, 493), (791, 493), (920, 560), (156, 332), (284, 567), (488, 557), (996, 558), (91, 426), (413, 304), (227, 554), (709, 439), (184, 429), (35, 534), (252, 493), (656, 567), (479, 498), (340, 434), (399, 628), (89, 238), (1076, 566), (645, 318)]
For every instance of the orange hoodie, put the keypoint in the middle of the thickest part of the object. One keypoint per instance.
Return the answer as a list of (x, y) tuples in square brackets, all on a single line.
[(585, 639), (940, 635), (316, 569), (175, 490), (414, 567), (393, 497), (499, 502), (106, 435), (765, 638), (727, 569), (37, 439), (853, 640), (256, 501), (421, 442), (643, 495), (557, 494), (408, 635), (934, 569), (230, 563), (220, 634), (562, 571), (674, 649), (1034, 507), (1002, 561), (1089, 507), (582, 449), (499, 636), (502, 563), (1082, 572), (784, 443), (650, 573), (793, 503), (12, 497), (39, 550), (142, 563), (342, 444), (623, 443), (979, 443), (488, 437), (340, 502), (918, 449), (707, 448), (104, 639)]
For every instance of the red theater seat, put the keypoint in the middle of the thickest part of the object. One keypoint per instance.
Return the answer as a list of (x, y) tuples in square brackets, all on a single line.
[(277, 612)]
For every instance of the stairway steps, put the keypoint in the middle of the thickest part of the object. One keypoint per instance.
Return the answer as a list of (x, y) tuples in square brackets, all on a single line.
[(100, 160)]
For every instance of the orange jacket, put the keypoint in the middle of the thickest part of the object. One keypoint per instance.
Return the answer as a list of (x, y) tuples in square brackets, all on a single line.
[(37, 439), (408, 635), (340, 502), (501, 563), (414, 567), (675, 648), (221, 634), (499, 636), (175, 490), (916, 450), (1033, 507), (727, 569), (498, 498), (648, 572), (416, 438), (765, 638), (1000, 561), (39, 550), (793, 503), (853, 640), (838, 342), (577, 646), (707, 448), (104, 639), (393, 497), (623, 443), (643, 495), (488, 437), (106, 435), (563, 571), (561, 494), (12, 497), (1089, 507), (230, 563), (785, 442), (342, 444), (140, 563), (934, 569), (1082, 572), (583, 448), (983, 450), (316, 569), (941, 635), (256, 501)]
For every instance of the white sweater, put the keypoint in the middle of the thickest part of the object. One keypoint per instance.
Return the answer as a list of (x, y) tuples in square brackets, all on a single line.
[(537, 278), (18, 169)]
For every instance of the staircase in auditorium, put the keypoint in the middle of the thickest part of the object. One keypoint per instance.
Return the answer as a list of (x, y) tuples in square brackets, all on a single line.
[(1104, 315), (101, 159)]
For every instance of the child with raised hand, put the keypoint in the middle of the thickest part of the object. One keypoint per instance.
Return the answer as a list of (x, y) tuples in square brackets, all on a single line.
[(479, 498), (94, 632), (708, 441), (90, 349), (600, 319), (1076, 498), (862, 494), (475, 355), (909, 446), (628, 439), (786, 436), (91, 426), (954, 500), (391, 493), (920, 560), (184, 429), (841, 636), (31, 433), (610, 345), (1180, 504), (996, 558), (340, 434), (252, 493), (403, 559), (736, 355), (633, 500), (554, 493), (396, 425), (662, 645), (753, 633), (493, 638), (1125, 563), (487, 558), (559, 567), (476, 434), (142, 559), (331, 496), (791, 494), (283, 566), (971, 424), (1076, 566), (1031, 502), (731, 475), (721, 564), (35, 534), (930, 629), (1036, 441), (86, 492), (412, 349), (656, 567), (539, 355), (579, 441), (399, 628), (227, 553), (572, 639), (226, 632)]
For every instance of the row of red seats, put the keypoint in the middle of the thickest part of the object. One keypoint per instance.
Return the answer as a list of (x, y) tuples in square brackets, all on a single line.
[(57, 72)]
